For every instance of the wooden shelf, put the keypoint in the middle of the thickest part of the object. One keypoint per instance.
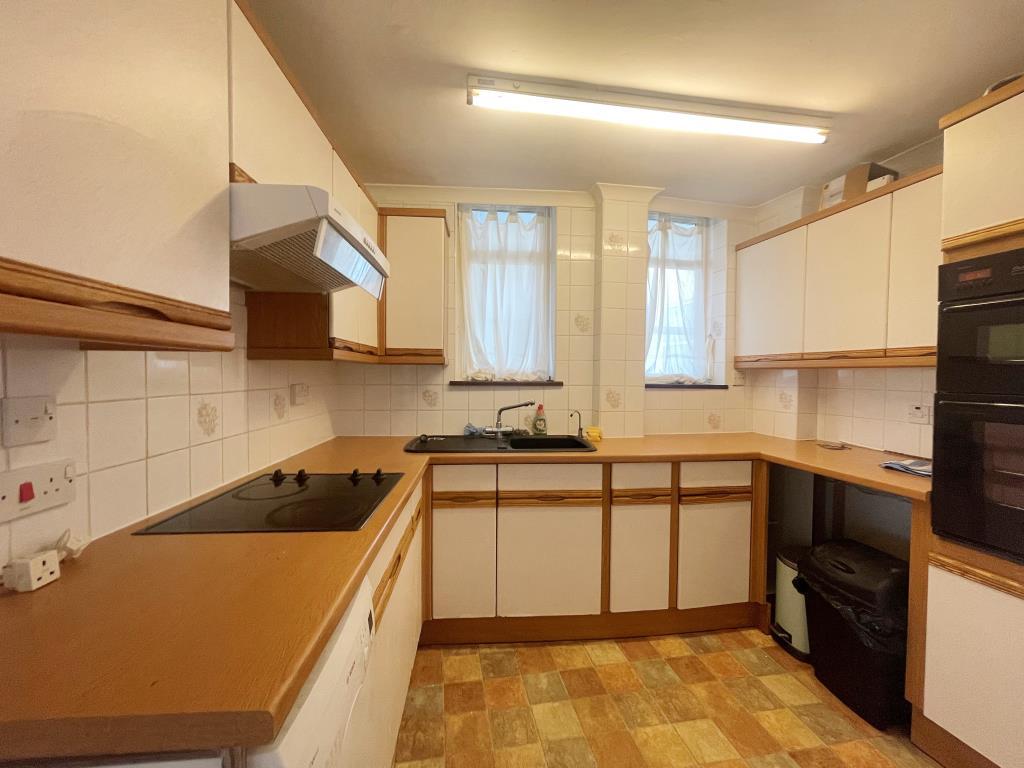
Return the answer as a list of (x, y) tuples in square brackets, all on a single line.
[(907, 357)]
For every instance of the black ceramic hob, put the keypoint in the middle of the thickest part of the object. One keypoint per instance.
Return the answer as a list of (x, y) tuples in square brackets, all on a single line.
[(284, 503)]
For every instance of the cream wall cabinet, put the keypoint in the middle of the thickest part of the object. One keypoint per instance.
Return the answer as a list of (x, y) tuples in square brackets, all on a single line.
[(974, 671), (714, 553), (114, 141), (915, 254), (353, 311), (415, 302), (770, 295), (640, 540), (274, 139), (845, 295), (549, 556), (464, 547), (983, 167)]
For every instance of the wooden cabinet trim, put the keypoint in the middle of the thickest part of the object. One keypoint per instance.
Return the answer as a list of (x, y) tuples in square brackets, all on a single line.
[(981, 242), (976, 574), (606, 538), (943, 746), (34, 282), (911, 352), (766, 358), (237, 175), (433, 213), (550, 498), (427, 564), (382, 592), (846, 354), (716, 494), (759, 537), (19, 314), (917, 603), (874, 194), (463, 499), (673, 539), (982, 103), (344, 345), (595, 626), (982, 562), (635, 496), (905, 357)]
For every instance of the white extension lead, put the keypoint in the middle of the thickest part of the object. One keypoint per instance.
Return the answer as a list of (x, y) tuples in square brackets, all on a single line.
[(26, 574)]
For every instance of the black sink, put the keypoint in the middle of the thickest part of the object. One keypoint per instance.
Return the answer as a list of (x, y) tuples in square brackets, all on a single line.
[(516, 443)]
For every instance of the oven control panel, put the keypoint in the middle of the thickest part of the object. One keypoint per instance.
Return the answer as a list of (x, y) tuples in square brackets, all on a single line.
[(985, 276)]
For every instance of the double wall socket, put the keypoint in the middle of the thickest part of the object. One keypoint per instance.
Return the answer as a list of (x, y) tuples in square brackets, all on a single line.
[(28, 420), (919, 414), (33, 489)]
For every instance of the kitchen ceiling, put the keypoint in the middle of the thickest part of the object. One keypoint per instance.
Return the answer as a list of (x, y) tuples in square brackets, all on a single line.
[(388, 79)]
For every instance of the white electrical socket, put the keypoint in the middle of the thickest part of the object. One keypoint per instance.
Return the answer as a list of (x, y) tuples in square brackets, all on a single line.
[(28, 420), (299, 393), (49, 485), (739, 378), (919, 414), (26, 574)]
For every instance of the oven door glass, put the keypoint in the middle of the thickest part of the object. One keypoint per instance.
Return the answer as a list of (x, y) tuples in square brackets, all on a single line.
[(981, 346), (978, 464)]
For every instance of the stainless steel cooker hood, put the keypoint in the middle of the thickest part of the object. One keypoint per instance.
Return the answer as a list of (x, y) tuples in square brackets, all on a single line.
[(295, 238)]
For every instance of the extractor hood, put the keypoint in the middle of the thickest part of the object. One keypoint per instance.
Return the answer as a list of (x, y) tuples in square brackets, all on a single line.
[(295, 238)]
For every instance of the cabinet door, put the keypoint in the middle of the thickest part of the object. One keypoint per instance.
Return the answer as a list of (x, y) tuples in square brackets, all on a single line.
[(714, 554), (549, 560), (549, 553), (273, 137), (114, 129), (464, 541), (983, 170), (770, 295), (915, 254), (640, 537), (974, 672), (416, 247), (845, 298)]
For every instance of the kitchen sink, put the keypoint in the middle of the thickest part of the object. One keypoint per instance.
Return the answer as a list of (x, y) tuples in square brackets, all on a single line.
[(485, 444)]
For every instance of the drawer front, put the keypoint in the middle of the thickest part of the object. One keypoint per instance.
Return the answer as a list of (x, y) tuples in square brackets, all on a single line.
[(707, 474), (465, 477), (548, 477), (653, 475)]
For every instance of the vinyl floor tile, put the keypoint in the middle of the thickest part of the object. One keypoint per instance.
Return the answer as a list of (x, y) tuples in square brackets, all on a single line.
[(719, 700)]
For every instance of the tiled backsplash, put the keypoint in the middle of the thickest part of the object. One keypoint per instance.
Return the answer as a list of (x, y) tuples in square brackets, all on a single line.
[(148, 430), (862, 406)]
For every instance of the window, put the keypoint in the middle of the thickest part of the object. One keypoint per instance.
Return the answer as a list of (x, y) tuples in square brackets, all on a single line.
[(508, 299), (679, 351)]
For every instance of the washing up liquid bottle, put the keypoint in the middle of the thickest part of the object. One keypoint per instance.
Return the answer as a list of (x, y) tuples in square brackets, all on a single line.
[(540, 421)]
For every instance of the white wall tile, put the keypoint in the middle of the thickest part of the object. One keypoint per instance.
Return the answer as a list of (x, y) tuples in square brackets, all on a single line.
[(39, 365), (205, 467), (167, 480), (115, 375), (204, 372), (259, 408), (167, 425), (235, 457), (259, 449), (236, 413), (234, 371), (117, 433), (206, 418), (73, 435), (166, 373), (117, 497)]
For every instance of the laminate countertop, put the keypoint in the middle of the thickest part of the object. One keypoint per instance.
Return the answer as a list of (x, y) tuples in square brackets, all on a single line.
[(185, 643)]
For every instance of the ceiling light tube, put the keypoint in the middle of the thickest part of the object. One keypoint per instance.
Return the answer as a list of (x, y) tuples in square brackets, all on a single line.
[(645, 111)]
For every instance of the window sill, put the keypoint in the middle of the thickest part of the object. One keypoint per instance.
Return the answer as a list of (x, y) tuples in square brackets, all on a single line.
[(686, 386), (517, 384)]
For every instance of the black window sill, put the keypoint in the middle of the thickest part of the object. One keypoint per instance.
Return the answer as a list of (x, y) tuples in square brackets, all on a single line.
[(686, 386), (516, 384)]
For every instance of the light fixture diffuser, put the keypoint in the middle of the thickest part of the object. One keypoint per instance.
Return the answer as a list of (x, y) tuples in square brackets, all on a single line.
[(645, 111)]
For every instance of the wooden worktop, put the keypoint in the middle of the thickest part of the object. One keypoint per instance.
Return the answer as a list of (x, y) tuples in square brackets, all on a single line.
[(174, 643)]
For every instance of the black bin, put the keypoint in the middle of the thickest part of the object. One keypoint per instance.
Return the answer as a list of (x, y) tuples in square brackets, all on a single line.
[(857, 626)]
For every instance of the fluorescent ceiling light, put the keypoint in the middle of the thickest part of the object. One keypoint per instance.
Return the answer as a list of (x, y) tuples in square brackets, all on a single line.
[(645, 111)]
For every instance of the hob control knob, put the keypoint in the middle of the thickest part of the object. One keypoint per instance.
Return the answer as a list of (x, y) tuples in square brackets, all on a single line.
[(355, 477), (378, 476), (277, 478), (301, 477)]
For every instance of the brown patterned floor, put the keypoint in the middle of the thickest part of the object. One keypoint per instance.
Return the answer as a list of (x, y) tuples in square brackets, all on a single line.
[(727, 699)]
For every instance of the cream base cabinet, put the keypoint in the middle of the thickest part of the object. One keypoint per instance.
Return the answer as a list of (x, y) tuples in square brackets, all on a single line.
[(974, 665), (845, 296), (714, 554), (549, 554), (377, 713), (114, 134), (770, 296), (983, 168), (640, 538), (416, 309), (915, 253), (274, 139), (464, 546)]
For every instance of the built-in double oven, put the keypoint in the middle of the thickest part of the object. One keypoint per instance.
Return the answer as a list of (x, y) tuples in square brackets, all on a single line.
[(978, 455)]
